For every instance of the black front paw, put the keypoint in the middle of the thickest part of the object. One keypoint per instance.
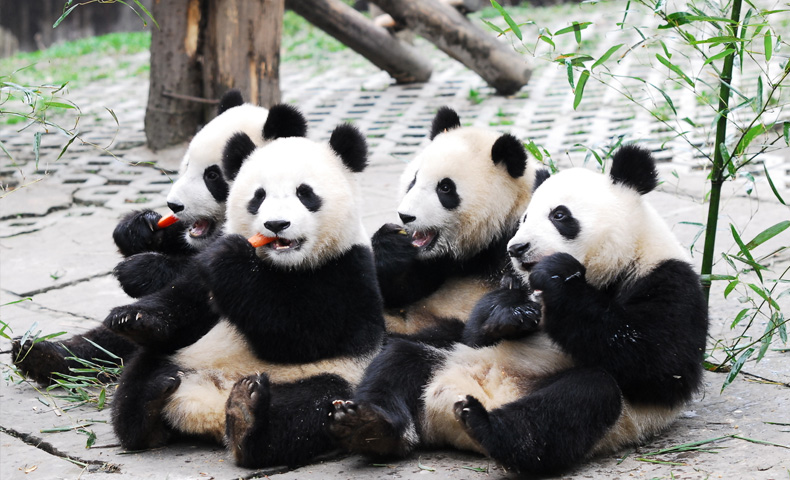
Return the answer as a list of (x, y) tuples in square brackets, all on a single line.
[(556, 273), (505, 314), (137, 232), (145, 273), (392, 247), (142, 325)]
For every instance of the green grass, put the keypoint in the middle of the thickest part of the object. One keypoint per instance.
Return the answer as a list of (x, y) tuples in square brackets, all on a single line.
[(302, 40)]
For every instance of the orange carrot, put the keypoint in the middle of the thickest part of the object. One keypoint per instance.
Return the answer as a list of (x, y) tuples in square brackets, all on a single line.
[(167, 221), (259, 240)]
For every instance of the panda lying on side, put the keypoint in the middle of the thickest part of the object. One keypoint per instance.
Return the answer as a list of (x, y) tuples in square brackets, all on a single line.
[(617, 354), (301, 316), (155, 257), (461, 201)]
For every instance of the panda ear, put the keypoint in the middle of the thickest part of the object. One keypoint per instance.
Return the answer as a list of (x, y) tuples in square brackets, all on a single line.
[(540, 176), (237, 149), (511, 151), (350, 145), (231, 98), (284, 121), (445, 119), (635, 168)]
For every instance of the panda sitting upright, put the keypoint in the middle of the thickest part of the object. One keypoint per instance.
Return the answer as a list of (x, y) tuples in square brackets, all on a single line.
[(156, 257), (616, 355), (461, 201), (301, 316)]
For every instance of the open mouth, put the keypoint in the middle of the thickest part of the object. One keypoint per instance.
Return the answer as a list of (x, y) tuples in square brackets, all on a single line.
[(424, 240), (284, 244), (202, 228)]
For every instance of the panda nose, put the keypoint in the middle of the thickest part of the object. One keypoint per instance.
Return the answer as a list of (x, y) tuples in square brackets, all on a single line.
[(518, 249), (175, 207), (277, 226), (406, 218)]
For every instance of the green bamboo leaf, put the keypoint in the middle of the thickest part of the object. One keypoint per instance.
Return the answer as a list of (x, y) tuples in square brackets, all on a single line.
[(577, 98), (748, 137), (765, 340), (36, 146), (780, 322), (675, 69), (769, 44), (66, 147), (736, 368), (534, 150), (730, 287), (768, 234), (759, 96), (739, 317), (65, 14), (605, 56), (666, 51), (142, 7), (773, 187), (508, 19), (744, 250), (666, 97), (786, 128), (547, 40), (575, 27), (625, 13), (763, 294), (722, 54), (58, 105), (494, 27), (569, 69)]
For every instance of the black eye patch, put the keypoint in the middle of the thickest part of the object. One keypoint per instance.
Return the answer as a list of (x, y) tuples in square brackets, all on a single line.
[(256, 201), (563, 221), (448, 194), (411, 184), (215, 183), (308, 197)]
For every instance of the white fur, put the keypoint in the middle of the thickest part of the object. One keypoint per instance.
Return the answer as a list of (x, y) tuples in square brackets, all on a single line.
[(490, 197), (280, 168), (205, 150)]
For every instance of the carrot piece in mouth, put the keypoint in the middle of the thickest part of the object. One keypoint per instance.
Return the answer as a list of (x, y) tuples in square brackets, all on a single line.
[(259, 240), (165, 222)]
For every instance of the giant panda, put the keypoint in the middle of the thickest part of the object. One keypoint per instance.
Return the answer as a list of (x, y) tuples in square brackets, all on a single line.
[(156, 257), (301, 316), (615, 355), (461, 199)]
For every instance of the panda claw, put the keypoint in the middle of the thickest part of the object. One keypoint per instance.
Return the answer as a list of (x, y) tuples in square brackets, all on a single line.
[(138, 316)]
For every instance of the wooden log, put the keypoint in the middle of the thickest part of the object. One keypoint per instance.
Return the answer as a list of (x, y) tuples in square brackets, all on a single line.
[(494, 61), (242, 49), (375, 43)]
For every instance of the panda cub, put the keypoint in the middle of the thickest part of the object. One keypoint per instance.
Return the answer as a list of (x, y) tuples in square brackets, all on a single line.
[(616, 355), (461, 199), (301, 316), (156, 257)]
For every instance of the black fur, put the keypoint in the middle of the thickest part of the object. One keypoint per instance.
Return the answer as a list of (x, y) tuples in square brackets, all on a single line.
[(649, 335), (311, 201), (284, 121), (552, 428), (511, 151), (215, 183), (145, 273), (445, 119), (137, 232), (541, 175), (635, 168), (231, 98), (562, 219), (350, 145), (296, 316), (172, 318), (237, 149), (255, 202), (448, 194)]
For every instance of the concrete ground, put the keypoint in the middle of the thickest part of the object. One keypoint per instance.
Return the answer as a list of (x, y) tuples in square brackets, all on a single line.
[(57, 255)]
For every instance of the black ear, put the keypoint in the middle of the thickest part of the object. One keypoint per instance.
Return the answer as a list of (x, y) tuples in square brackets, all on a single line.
[(284, 121), (445, 119), (635, 168), (511, 151), (541, 176), (237, 149), (232, 98), (350, 146)]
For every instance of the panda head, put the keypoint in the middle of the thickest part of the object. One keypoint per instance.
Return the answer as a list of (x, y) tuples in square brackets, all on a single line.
[(304, 193), (198, 197), (464, 190), (601, 220)]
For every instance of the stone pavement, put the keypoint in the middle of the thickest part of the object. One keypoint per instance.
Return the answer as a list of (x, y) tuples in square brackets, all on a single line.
[(57, 254)]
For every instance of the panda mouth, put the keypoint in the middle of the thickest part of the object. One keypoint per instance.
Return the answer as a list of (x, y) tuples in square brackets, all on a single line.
[(424, 240), (202, 228), (284, 244)]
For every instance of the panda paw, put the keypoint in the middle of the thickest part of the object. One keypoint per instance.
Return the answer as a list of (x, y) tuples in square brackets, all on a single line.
[(247, 405), (39, 361), (363, 428), (139, 324), (557, 273), (392, 246), (472, 416), (504, 314), (145, 273), (137, 232)]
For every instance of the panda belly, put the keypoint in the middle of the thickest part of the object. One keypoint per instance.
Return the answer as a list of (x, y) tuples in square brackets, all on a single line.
[(636, 424), (452, 301), (211, 367), (495, 375)]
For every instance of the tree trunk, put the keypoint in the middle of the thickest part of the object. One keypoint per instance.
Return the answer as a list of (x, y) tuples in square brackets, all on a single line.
[(494, 61), (353, 29), (174, 69), (202, 49)]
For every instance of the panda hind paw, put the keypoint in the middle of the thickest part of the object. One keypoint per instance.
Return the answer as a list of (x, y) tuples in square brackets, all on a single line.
[(39, 361), (247, 404), (361, 428), (471, 414)]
